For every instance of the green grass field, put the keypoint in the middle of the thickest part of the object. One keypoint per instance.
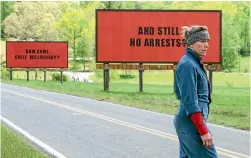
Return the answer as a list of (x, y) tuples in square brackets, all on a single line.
[(13, 146), (166, 78), (243, 65)]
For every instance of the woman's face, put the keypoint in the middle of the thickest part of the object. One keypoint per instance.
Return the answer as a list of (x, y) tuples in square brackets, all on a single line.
[(200, 47)]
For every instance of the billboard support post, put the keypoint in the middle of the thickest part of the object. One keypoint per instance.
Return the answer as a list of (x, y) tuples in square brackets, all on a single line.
[(211, 69), (106, 77), (211, 80), (174, 70), (10, 73), (61, 76), (44, 75), (141, 70), (28, 75)]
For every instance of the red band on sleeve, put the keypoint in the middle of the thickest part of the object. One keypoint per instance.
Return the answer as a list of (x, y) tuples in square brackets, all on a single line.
[(199, 123)]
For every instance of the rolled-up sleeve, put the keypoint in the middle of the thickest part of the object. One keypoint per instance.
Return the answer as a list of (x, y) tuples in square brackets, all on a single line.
[(187, 83)]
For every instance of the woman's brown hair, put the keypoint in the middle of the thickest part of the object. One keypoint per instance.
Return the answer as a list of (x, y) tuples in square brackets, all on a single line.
[(186, 30)]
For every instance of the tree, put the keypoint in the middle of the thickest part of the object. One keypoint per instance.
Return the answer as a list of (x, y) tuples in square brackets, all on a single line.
[(30, 20), (70, 27), (82, 51), (108, 4), (6, 10), (78, 24), (44, 31), (243, 18)]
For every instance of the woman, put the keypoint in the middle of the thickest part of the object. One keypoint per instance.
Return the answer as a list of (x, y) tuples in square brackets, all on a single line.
[(193, 90)]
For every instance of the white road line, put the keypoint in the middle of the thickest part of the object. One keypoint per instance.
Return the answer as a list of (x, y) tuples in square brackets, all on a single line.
[(124, 106), (33, 139), (221, 151)]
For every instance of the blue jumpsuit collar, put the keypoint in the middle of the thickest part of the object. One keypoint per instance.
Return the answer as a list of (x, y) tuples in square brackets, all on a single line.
[(190, 52)]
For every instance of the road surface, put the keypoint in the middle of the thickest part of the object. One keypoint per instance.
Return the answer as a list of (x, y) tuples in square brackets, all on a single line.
[(85, 128)]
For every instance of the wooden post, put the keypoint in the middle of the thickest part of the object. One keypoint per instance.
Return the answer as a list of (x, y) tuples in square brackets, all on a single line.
[(106, 77), (211, 80), (10, 73), (28, 75), (211, 69), (36, 74), (141, 70), (44, 75), (61, 76)]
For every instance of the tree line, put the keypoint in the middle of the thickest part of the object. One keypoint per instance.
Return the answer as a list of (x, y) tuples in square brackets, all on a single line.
[(75, 22)]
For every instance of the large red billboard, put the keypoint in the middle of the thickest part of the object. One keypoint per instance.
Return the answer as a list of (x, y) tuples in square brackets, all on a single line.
[(152, 36), (29, 54)]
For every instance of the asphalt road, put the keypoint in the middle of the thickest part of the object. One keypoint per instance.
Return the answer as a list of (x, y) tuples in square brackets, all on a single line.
[(84, 128)]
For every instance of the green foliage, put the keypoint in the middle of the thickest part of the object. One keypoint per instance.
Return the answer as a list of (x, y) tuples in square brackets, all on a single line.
[(113, 74), (4, 73), (32, 20), (243, 18), (6, 10), (230, 44), (57, 77), (98, 73), (77, 27), (81, 50), (75, 66), (44, 31), (70, 27), (122, 76), (245, 51)]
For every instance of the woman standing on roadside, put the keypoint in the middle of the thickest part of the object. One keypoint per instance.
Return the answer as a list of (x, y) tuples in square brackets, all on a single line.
[(193, 90)]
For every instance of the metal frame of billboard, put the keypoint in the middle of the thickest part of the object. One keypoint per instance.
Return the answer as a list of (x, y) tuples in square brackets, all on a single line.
[(149, 10)]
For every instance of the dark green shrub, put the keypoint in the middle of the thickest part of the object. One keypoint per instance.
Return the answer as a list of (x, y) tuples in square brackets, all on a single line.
[(127, 76), (57, 77), (245, 51), (4, 73)]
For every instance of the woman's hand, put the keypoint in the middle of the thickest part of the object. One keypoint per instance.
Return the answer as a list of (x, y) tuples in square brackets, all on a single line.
[(207, 140)]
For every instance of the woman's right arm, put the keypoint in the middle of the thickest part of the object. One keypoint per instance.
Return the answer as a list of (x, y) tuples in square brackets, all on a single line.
[(187, 84)]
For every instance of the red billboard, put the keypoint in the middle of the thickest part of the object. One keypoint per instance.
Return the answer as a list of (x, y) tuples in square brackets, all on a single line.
[(152, 36), (26, 54)]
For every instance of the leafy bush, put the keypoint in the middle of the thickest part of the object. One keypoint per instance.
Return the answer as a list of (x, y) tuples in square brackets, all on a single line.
[(57, 77), (245, 51), (75, 66), (113, 74), (127, 76), (4, 73), (99, 73)]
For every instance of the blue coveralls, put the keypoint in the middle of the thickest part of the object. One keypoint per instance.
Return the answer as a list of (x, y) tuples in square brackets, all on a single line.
[(192, 89)]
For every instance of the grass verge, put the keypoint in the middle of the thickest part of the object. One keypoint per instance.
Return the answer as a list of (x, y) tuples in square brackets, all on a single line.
[(14, 146)]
